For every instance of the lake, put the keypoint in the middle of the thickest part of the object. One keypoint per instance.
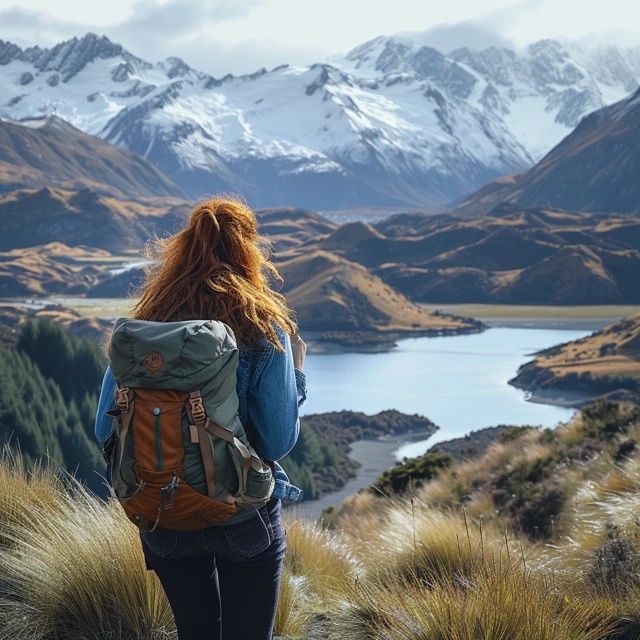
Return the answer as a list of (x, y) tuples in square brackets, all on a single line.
[(459, 382)]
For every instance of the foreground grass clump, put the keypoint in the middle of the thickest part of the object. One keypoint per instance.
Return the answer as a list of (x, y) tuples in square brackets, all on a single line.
[(499, 602), (71, 567), (24, 488)]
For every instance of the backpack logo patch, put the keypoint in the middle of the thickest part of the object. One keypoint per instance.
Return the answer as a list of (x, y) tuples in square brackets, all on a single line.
[(153, 361)]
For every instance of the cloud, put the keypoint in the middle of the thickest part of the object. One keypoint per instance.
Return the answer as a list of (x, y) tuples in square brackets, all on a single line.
[(486, 30), (446, 37), (154, 31), (27, 27), (178, 17)]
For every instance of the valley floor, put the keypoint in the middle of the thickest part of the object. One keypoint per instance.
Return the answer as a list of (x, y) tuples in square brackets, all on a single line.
[(582, 317)]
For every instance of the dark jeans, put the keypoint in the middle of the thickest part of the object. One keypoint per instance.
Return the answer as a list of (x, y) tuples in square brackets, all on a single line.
[(222, 582)]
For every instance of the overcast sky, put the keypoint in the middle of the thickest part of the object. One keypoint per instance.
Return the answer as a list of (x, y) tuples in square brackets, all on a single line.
[(238, 36)]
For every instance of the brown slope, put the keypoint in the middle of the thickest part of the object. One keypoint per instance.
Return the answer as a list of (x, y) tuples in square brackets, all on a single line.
[(30, 217), (534, 256), (572, 275), (13, 313), (595, 168), (504, 249), (606, 361), (51, 152), (329, 291), (48, 269), (289, 227), (447, 285), (367, 245)]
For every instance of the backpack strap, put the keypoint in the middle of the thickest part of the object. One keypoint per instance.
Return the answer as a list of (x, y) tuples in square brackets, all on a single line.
[(125, 405), (198, 417), (249, 458)]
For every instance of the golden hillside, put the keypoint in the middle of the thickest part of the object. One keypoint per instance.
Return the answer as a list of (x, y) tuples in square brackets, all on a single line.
[(606, 361), (327, 290)]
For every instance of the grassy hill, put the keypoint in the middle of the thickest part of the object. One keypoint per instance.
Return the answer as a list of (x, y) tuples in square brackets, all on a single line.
[(49, 269), (31, 217), (534, 539), (514, 256), (328, 291), (607, 361)]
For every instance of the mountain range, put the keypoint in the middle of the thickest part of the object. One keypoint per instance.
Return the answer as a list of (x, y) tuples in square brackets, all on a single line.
[(30, 217), (342, 276), (393, 122), (514, 255)]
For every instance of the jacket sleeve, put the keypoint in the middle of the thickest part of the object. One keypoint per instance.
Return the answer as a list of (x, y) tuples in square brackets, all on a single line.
[(106, 402), (273, 399)]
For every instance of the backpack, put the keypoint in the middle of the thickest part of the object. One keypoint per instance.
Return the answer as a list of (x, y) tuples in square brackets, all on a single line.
[(178, 455)]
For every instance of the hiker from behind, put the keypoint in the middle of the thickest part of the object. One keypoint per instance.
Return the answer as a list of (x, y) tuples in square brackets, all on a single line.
[(200, 399)]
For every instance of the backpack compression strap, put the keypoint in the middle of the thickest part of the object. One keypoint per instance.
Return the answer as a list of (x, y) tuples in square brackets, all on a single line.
[(124, 409), (198, 417), (201, 428)]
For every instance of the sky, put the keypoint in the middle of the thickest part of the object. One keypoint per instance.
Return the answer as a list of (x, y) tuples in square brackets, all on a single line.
[(240, 36)]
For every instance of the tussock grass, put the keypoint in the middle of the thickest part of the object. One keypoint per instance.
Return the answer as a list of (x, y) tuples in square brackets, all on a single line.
[(74, 570), (435, 546), (499, 603), (450, 560), (293, 616), (23, 488), (321, 562)]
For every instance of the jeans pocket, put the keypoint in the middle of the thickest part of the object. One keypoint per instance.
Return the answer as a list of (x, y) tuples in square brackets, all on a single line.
[(249, 538), (161, 542)]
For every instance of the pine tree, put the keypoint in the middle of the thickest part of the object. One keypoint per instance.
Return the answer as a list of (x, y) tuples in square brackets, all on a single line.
[(48, 395)]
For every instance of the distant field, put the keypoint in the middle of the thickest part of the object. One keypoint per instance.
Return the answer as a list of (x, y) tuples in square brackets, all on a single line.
[(489, 311), (503, 314), (95, 307), (98, 259)]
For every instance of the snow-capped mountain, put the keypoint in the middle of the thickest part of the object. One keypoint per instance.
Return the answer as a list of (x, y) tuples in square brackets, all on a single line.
[(393, 122)]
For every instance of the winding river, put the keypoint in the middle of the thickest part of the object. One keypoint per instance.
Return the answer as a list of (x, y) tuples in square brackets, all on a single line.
[(459, 382)]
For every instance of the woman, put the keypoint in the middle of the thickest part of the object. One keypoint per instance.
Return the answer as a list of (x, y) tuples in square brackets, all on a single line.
[(223, 582)]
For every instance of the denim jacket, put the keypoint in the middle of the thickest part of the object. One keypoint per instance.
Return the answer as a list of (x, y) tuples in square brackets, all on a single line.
[(270, 391)]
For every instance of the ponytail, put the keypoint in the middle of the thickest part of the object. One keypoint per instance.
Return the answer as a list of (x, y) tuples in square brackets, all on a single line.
[(216, 268)]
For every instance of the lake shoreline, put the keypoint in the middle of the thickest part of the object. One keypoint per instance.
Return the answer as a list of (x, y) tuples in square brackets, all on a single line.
[(558, 397), (328, 342), (373, 456), (383, 342)]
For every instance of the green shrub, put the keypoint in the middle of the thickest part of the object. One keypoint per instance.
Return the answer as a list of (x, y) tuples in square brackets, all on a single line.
[(416, 471), (529, 496), (614, 567)]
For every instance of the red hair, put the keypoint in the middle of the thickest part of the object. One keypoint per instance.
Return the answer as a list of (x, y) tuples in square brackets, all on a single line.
[(217, 267)]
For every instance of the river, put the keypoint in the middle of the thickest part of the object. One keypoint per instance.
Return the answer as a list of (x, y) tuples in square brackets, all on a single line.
[(459, 382)]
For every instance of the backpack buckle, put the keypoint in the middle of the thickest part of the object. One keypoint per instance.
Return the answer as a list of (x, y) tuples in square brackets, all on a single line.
[(167, 494), (196, 407), (122, 399)]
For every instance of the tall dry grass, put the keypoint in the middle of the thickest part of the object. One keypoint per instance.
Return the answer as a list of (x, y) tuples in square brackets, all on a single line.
[(71, 566), (412, 568), (498, 603), (24, 488)]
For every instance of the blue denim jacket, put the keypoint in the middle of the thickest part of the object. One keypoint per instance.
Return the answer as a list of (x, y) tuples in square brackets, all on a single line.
[(270, 391)]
